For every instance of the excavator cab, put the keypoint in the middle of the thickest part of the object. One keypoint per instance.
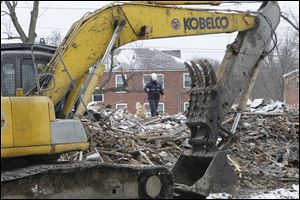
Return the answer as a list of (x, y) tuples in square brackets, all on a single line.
[(21, 65)]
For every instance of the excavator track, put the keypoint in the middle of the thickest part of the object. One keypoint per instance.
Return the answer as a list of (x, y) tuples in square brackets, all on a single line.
[(87, 179)]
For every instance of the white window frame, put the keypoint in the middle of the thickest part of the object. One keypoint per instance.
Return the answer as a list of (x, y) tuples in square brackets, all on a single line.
[(116, 82), (121, 104), (97, 88), (184, 104), (183, 79), (163, 79), (98, 94), (148, 113)]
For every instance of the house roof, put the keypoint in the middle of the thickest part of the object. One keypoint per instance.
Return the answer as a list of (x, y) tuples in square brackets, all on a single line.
[(142, 59)]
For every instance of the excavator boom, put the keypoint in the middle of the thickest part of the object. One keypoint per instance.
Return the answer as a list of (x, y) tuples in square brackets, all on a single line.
[(88, 39)]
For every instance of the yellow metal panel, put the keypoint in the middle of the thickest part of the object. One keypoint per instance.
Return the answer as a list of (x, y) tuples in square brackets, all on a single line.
[(71, 99), (161, 22), (30, 121), (51, 111), (89, 90), (40, 150), (6, 123)]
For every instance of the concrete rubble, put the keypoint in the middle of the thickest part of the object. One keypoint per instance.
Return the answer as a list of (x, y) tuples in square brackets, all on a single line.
[(266, 153)]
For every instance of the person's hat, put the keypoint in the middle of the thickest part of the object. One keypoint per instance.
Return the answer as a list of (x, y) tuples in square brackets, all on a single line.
[(154, 76)]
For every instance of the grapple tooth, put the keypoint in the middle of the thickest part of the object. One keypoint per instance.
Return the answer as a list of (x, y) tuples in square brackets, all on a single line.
[(192, 75), (211, 72), (205, 72), (198, 74), (210, 78)]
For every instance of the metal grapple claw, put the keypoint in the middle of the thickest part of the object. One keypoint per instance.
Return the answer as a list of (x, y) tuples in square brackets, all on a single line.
[(197, 167), (202, 112)]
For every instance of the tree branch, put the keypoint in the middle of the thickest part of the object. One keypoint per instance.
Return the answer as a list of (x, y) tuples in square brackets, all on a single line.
[(4, 13), (109, 73), (9, 37), (33, 21), (14, 19), (290, 22)]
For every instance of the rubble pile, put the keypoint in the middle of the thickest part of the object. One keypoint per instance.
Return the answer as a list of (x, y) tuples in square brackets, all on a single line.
[(121, 138), (267, 152), (265, 155)]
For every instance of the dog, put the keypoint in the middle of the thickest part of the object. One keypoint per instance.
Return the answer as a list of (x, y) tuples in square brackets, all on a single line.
[(140, 110)]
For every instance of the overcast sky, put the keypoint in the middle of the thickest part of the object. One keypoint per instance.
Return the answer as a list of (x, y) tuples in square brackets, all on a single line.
[(60, 15)]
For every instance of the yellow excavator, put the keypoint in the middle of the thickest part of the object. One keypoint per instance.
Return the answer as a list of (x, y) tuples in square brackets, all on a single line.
[(40, 86)]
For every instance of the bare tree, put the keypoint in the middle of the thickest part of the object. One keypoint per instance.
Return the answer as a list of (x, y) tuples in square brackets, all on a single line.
[(283, 59), (288, 52), (215, 63), (113, 65), (54, 39), (294, 22), (11, 12), (8, 30)]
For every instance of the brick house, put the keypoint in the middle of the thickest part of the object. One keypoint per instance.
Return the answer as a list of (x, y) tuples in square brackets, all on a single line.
[(137, 65), (291, 88)]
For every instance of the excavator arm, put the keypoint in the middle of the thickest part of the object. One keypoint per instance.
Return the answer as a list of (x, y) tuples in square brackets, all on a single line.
[(88, 39), (212, 96)]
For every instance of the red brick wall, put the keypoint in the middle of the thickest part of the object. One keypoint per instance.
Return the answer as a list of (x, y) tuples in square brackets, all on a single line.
[(291, 89), (173, 83)]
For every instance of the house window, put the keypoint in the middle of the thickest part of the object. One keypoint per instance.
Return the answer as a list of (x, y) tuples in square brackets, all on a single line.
[(120, 82), (186, 80), (185, 106), (121, 106), (147, 79), (160, 109), (98, 96)]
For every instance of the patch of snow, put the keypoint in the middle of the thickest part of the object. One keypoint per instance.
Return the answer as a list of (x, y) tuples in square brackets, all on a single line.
[(249, 102), (127, 56), (259, 106), (256, 103), (282, 193), (219, 196), (274, 106), (181, 60), (292, 193)]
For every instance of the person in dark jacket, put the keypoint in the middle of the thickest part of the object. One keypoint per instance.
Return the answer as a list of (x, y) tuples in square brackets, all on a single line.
[(154, 90)]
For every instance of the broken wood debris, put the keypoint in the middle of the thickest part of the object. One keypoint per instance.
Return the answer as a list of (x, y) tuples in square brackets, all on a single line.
[(133, 140), (266, 153)]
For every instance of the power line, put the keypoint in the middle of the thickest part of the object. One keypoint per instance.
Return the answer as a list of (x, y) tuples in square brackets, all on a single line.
[(47, 27)]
